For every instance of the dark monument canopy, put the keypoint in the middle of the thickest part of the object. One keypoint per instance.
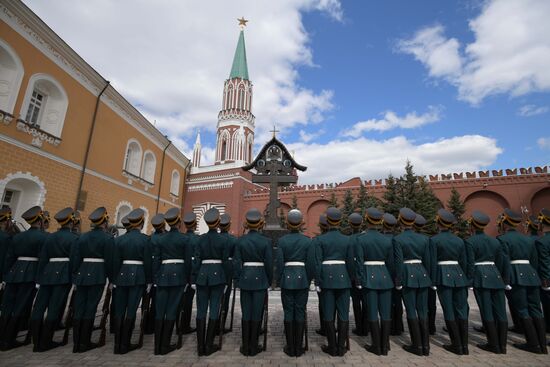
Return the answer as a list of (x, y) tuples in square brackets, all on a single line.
[(270, 153)]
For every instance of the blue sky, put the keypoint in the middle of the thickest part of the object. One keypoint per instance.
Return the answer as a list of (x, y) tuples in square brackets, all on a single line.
[(355, 87)]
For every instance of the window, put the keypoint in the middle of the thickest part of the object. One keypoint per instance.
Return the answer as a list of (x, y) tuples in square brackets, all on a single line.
[(175, 184), (148, 167), (35, 105), (224, 148), (241, 98), (11, 75), (230, 98), (132, 161)]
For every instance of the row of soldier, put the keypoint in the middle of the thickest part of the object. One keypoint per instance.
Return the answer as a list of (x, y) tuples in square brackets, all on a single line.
[(380, 268)]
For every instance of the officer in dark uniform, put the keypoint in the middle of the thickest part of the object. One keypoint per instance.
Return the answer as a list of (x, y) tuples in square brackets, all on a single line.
[(488, 266), (412, 259), (111, 230), (190, 221), (54, 282), (21, 266), (355, 221), (209, 278), (525, 283), (375, 265), (5, 238), (295, 270), (253, 263), (92, 267), (172, 270), (389, 226), (159, 227), (334, 270), (533, 226), (231, 241), (132, 271), (543, 248), (323, 227)]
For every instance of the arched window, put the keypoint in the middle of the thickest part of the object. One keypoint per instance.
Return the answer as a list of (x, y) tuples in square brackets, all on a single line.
[(148, 167), (11, 74), (45, 104), (224, 150), (241, 97), (175, 184), (132, 160), (230, 98)]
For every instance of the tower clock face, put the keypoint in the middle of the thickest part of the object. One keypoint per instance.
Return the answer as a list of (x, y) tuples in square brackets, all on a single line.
[(287, 163), (274, 153), (261, 163)]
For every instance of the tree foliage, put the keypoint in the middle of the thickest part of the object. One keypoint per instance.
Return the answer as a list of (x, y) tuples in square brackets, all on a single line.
[(457, 207)]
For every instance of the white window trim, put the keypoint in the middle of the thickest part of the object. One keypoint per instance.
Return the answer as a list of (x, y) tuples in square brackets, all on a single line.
[(172, 182), (124, 161), (143, 166), (19, 76)]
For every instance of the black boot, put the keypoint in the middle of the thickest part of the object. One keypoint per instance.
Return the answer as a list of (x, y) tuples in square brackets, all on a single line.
[(35, 330), (540, 327), (245, 337), (299, 337), (211, 332), (321, 330), (86, 329), (165, 345), (414, 331), (76, 335), (126, 340), (492, 344), (375, 346), (343, 333), (480, 329), (289, 335), (3, 326), (531, 337), (357, 312), (463, 330), (158, 336), (330, 332), (10, 335), (425, 336), (117, 330), (385, 328), (48, 331), (201, 336), (502, 332), (397, 327), (454, 334), (365, 322), (253, 346)]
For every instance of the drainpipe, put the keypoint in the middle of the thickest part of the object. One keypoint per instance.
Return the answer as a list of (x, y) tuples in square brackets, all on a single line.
[(89, 144), (161, 173)]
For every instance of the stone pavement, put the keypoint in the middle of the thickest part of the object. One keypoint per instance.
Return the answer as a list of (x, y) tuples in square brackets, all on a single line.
[(274, 355)]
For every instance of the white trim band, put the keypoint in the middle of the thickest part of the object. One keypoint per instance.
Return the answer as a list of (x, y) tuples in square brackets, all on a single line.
[(520, 262), (59, 259), (374, 263), (93, 260), (334, 262), (173, 261), (253, 263), (132, 262), (485, 263), (294, 263), (212, 261), (447, 262), (27, 258), (414, 261)]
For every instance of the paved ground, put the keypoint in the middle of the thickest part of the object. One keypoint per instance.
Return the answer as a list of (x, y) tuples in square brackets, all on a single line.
[(274, 355)]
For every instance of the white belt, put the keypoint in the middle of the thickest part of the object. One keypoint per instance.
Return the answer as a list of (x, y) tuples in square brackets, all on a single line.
[(374, 263), (294, 263), (132, 262), (334, 262), (214, 261), (253, 263), (448, 262), (230, 258), (27, 258), (415, 261), (93, 260), (517, 262), (173, 261), (58, 259), (485, 263)]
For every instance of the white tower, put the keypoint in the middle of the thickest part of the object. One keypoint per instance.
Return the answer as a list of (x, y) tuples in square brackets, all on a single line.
[(197, 151)]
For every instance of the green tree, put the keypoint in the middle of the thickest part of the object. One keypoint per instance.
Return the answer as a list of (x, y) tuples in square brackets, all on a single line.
[(427, 204), (390, 196), (348, 208), (457, 207), (333, 200), (362, 197)]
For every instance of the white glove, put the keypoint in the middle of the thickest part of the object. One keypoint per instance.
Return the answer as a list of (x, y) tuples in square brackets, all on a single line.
[(399, 287), (359, 286), (433, 287), (2, 285), (471, 288), (148, 289), (37, 286), (154, 285), (508, 287), (546, 289), (194, 287), (269, 289), (111, 286), (318, 289)]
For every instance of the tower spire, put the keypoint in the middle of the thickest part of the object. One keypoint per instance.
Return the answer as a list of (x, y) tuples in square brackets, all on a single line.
[(240, 67), (197, 151)]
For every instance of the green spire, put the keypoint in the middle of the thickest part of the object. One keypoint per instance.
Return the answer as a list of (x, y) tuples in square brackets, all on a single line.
[(239, 68)]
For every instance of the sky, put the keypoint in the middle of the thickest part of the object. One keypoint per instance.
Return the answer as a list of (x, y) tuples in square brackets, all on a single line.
[(354, 87)]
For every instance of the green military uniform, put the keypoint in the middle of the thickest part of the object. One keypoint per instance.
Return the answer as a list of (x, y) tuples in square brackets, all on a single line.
[(355, 221), (112, 322), (171, 269), (333, 273), (5, 238), (230, 241), (21, 266), (253, 263), (525, 282), (487, 267), (412, 259), (190, 221), (389, 224), (450, 276), (323, 227), (132, 272), (376, 271), (54, 279), (543, 249), (209, 277), (92, 266), (295, 270), (159, 225)]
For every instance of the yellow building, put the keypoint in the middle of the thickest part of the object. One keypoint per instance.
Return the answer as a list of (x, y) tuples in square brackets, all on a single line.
[(68, 138)]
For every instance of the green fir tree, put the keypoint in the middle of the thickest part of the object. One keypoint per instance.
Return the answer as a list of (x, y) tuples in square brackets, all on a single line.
[(349, 207), (457, 207)]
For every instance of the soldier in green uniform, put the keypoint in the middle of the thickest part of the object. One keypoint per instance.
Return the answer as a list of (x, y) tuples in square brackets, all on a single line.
[(389, 226), (412, 259), (525, 283), (209, 278), (132, 272), (418, 226), (5, 238), (172, 254), (295, 270), (114, 231), (533, 226), (21, 266), (253, 263), (333, 273), (323, 227), (190, 221), (159, 226), (355, 221), (543, 248), (376, 271), (225, 226), (92, 266), (53, 282), (487, 267)]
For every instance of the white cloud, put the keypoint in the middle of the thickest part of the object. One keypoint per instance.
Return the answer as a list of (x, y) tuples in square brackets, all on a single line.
[(544, 143), (532, 110), (391, 120), (342, 159), (306, 137), (510, 53)]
